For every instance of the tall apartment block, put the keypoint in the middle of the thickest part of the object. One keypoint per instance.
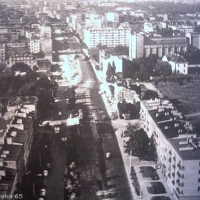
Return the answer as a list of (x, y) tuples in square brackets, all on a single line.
[(110, 37), (178, 147)]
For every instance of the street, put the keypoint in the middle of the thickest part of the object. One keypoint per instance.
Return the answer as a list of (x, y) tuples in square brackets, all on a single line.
[(90, 143)]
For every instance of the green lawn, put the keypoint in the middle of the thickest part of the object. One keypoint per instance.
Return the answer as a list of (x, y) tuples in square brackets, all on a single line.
[(187, 96)]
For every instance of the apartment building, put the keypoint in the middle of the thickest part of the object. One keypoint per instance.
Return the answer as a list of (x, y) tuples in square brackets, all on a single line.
[(16, 135), (26, 59), (110, 37), (113, 17), (2, 52), (45, 31), (16, 44), (35, 46), (140, 45), (73, 19), (194, 39), (178, 147), (148, 27), (93, 23), (186, 29)]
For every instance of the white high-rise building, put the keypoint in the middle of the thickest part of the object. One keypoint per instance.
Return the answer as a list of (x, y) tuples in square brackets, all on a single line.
[(110, 37), (113, 17)]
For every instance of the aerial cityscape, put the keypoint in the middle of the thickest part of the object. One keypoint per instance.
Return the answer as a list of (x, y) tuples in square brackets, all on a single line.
[(100, 100)]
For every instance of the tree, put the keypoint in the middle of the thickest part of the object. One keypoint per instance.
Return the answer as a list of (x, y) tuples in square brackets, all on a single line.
[(112, 89), (163, 68), (20, 67), (40, 54), (121, 50), (138, 143), (166, 32), (109, 71), (2, 67), (150, 94)]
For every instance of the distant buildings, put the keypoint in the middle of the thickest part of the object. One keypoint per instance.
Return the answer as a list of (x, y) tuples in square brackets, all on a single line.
[(27, 59)]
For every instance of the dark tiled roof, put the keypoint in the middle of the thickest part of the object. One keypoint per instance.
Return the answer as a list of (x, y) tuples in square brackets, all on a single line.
[(193, 154)]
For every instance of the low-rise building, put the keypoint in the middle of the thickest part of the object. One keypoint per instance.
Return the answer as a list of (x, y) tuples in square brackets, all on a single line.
[(26, 59), (178, 64), (16, 136)]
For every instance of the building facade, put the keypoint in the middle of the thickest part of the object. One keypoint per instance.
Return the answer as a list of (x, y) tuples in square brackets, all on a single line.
[(35, 46), (2, 52), (107, 36), (27, 59), (16, 136), (178, 64), (194, 39), (178, 147), (142, 46)]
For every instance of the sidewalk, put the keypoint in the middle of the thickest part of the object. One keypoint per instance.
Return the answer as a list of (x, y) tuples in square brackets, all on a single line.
[(130, 161)]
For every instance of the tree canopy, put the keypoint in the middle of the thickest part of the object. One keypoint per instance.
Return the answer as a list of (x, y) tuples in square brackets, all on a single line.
[(138, 144), (31, 84), (20, 67), (163, 68), (150, 94)]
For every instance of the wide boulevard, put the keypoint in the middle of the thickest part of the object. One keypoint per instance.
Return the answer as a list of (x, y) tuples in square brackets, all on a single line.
[(101, 177)]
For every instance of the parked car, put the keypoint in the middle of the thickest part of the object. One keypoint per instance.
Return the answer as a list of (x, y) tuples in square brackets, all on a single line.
[(43, 192)]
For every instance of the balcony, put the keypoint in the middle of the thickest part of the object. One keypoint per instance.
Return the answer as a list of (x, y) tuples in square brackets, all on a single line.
[(179, 191), (182, 176), (182, 167), (181, 184)]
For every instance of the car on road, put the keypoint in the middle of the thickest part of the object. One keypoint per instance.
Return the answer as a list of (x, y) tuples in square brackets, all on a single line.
[(108, 155)]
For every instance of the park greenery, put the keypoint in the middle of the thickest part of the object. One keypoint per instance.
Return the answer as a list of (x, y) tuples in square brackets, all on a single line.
[(30, 84), (139, 144)]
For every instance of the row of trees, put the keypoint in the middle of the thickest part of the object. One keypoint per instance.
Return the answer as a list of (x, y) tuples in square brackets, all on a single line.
[(144, 68), (128, 108), (192, 55), (110, 72)]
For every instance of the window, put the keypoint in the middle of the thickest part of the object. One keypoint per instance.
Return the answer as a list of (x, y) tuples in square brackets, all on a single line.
[(198, 180), (198, 188)]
